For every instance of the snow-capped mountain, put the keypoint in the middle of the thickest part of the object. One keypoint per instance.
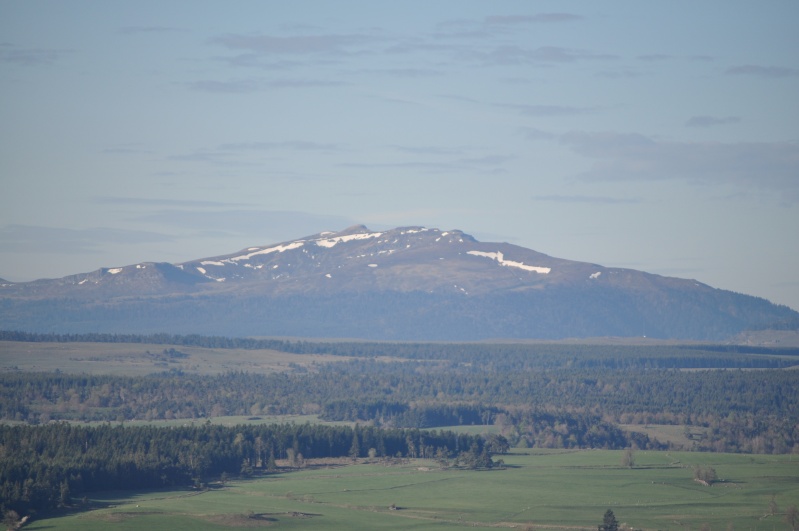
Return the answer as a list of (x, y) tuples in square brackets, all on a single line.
[(407, 283)]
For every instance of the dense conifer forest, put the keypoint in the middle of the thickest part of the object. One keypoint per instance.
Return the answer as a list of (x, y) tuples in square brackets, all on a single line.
[(744, 399), (51, 466)]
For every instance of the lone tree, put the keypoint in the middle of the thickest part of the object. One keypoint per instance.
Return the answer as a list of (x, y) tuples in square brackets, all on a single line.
[(609, 522), (705, 475), (628, 458)]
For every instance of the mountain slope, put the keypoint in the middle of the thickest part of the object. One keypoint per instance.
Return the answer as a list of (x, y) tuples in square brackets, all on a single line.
[(409, 283)]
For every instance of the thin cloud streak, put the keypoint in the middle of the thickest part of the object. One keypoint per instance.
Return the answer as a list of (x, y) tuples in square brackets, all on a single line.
[(543, 55), (547, 110), (545, 18), (295, 145), (249, 86), (602, 200), (300, 44), (30, 56), (710, 121), (133, 30), (250, 223), (158, 202), (763, 71), (43, 240), (761, 165)]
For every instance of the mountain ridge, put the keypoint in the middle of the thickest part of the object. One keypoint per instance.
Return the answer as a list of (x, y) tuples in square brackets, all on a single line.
[(410, 283)]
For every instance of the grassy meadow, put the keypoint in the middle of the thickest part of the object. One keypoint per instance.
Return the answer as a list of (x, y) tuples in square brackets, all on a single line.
[(537, 489), (139, 359)]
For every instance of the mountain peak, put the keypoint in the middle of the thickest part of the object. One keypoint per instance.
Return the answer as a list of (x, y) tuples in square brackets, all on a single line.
[(355, 229), (412, 283)]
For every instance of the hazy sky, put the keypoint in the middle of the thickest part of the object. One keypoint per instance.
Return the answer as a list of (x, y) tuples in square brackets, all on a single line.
[(661, 136)]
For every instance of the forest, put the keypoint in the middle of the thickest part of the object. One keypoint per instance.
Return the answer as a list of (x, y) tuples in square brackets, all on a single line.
[(51, 466), (546, 395)]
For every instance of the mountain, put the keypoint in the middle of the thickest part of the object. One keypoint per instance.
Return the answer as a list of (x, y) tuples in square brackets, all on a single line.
[(409, 283)]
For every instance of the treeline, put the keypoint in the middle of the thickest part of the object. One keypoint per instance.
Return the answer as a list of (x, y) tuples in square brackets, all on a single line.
[(630, 397), (483, 356), (741, 411), (51, 466), (403, 415), (522, 426)]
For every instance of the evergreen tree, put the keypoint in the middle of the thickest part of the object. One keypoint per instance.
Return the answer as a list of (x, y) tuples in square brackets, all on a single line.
[(355, 447), (609, 522)]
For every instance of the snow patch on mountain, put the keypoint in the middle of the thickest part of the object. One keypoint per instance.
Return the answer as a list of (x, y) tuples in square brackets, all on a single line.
[(595, 275), (500, 258), (115, 270), (332, 242), (268, 250)]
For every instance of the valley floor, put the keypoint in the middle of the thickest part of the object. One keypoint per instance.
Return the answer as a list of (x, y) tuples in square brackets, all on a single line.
[(536, 489)]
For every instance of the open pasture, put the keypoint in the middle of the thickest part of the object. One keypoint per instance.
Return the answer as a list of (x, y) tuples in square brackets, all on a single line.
[(139, 359), (537, 489)]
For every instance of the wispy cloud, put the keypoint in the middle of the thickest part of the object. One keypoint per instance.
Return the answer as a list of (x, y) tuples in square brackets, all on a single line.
[(444, 164), (532, 133), (247, 86), (42, 239), (547, 110), (125, 149), (432, 167), (620, 73), (213, 157), (710, 121), (263, 225), (30, 56), (763, 71), (517, 55), (133, 30), (430, 150), (303, 83), (603, 200), (236, 86), (653, 57), (630, 156), (296, 44), (539, 18), (296, 145), (538, 110), (253, 154), (410, 73), (158, 202)]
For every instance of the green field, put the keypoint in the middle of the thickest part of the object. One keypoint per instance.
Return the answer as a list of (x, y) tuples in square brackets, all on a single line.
[(537, 489), (137, 359)]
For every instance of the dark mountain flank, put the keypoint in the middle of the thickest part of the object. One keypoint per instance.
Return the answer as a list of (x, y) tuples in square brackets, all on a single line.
[(408, 283)]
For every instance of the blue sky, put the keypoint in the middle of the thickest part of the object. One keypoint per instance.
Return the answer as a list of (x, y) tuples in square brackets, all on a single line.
[(659, 136)]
